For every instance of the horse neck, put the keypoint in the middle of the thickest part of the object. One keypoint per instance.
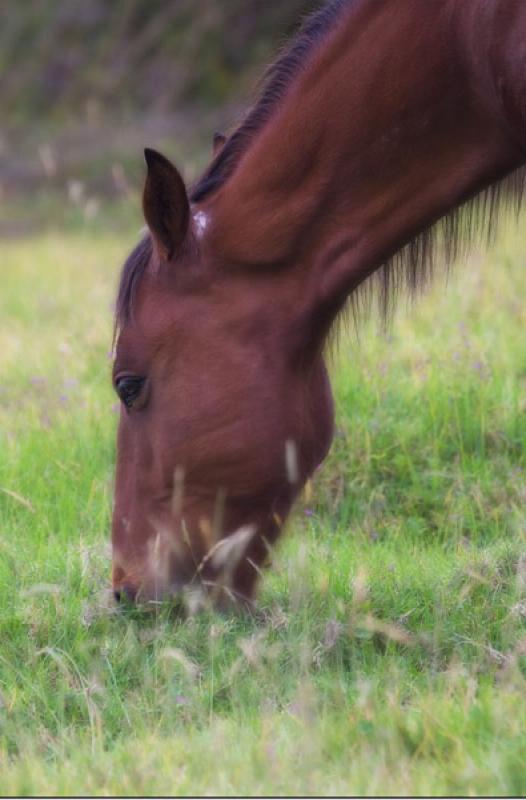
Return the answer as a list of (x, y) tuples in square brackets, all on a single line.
[(395, 119)]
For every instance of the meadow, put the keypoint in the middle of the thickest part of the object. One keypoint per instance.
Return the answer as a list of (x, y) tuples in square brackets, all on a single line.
[(388, 653)]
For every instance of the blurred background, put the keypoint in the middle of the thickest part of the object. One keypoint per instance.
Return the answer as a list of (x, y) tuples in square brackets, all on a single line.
[(86, 84)]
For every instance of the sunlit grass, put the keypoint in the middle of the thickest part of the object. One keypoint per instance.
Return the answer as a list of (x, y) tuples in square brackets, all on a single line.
[(389, 652)]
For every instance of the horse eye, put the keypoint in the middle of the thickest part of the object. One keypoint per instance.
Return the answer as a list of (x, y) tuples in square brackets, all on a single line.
[(129, 388)]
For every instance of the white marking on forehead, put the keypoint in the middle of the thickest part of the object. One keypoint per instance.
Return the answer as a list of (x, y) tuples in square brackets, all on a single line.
[(201, 222)]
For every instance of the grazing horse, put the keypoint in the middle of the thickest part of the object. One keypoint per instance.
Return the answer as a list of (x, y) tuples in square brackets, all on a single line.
[(379, 120)]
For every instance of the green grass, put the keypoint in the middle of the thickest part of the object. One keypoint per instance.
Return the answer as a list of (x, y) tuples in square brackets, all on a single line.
[(389, 653)]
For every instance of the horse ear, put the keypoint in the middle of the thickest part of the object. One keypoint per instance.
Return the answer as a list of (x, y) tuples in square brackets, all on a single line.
[(219, 143), (165, 203)]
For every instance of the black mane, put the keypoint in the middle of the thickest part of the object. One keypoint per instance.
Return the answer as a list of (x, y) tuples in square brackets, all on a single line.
[(276, 81), (132, 272)]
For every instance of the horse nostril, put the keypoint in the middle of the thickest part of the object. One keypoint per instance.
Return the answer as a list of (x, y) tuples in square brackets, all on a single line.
[(126, 593), (129, 592)]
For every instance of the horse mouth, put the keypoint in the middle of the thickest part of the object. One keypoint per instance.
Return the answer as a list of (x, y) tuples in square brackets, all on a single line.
[(185, 603), (211, 583)]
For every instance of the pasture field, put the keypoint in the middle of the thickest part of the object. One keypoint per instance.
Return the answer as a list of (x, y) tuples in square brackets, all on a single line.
[(388, 655)]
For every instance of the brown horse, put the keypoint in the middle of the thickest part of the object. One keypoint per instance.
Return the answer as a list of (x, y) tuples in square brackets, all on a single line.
[(381, 118)]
